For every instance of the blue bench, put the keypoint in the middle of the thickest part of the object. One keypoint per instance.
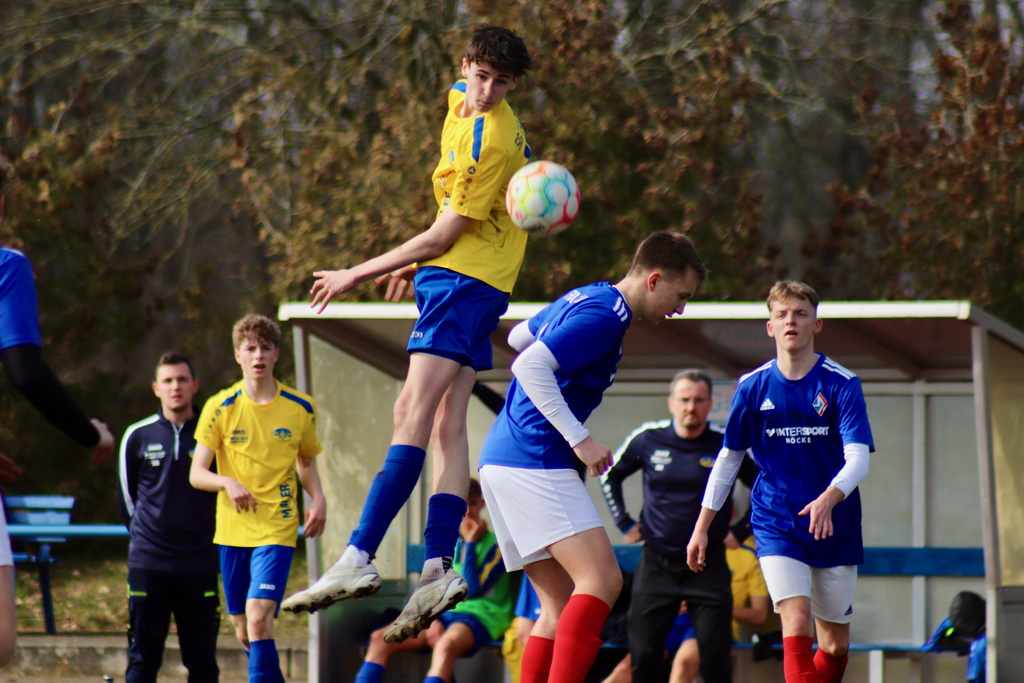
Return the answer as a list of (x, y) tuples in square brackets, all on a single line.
[(44, 515), (878, 561)]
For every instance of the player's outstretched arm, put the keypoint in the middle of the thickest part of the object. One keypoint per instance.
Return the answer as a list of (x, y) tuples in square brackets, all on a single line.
[(316, 511), (105, 448), (433, 242)]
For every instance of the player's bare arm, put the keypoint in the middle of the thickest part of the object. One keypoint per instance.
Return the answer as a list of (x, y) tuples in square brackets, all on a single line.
[(820, 512), (201, 477), (696, 549), (316, 511), (595, 455), (428, 244)]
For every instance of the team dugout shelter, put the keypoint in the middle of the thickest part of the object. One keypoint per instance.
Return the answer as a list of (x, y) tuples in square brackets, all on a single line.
[(944, 383)]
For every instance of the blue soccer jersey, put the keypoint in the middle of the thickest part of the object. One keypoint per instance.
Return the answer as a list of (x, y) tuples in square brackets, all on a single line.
[(796, 430), (584, 331), (19, 322)]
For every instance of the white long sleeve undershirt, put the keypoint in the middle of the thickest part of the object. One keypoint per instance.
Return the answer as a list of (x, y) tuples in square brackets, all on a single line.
[(535, 369), (727, 466)]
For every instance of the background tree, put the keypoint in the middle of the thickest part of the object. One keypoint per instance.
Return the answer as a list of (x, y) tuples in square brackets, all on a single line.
[(941, 215), (170, 165)]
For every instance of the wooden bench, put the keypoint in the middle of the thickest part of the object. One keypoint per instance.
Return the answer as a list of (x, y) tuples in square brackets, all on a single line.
[(45, 515)]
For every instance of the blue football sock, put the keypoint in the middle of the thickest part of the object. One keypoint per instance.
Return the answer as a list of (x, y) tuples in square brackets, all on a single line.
[(433, 679), (444, 515), (390, 489), (370, 672), (264, 665)]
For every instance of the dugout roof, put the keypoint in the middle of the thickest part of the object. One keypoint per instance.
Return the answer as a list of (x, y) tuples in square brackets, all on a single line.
[(880, 341)]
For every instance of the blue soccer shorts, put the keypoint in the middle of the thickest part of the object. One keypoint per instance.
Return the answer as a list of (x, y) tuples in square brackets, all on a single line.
[(480, 635), (458, 313), (249, 573)]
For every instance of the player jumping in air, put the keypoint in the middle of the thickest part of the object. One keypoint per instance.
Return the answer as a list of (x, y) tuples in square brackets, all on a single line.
[(467, 261)]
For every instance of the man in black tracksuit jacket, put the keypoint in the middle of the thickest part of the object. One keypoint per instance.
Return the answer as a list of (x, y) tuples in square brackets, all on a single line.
[(172, 561), (676, 457)]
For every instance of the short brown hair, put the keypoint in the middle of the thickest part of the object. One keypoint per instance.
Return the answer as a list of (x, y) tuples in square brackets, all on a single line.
[(175, 358), (670, 252), (259, 328), (791, 289), (500, 48), (474, 489), (692, 376)]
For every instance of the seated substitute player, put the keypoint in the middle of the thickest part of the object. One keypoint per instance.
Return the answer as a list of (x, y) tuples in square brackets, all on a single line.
[(21, 354), (262, 435), (542, 514), (461, 632), (468, 261), (805, 419)]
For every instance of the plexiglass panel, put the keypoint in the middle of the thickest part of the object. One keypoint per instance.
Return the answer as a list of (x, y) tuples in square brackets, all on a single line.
[(886, 493), (1006, 380), (953, 496)]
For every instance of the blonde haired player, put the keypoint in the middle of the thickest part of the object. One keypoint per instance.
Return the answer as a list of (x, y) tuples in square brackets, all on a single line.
[(804, 418), (263, 437)]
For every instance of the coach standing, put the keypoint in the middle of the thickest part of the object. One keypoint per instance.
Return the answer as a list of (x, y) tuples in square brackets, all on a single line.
[(676, 457), (172, 562)]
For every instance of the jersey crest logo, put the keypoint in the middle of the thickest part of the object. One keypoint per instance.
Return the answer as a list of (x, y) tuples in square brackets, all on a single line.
[(819, 404), (282, 434), (707, 461), (767, 405)]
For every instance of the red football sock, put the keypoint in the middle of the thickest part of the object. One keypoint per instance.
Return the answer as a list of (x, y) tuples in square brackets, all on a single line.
[(830, 668), (797, 660), (577, 638), (536, 660)]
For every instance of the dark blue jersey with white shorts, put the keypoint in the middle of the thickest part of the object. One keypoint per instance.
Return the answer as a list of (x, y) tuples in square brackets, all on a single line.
[(584, 331), (796, 430)]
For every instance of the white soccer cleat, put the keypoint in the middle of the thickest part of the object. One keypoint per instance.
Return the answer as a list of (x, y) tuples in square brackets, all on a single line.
[(428, 602), (337, 583)]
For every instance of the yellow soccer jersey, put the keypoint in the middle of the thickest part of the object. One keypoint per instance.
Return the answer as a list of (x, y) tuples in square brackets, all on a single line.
[(747, 581), (257, 445), (478, 156)]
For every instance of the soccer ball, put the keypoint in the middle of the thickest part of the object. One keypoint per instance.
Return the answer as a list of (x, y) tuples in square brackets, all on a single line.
[(542, 197)]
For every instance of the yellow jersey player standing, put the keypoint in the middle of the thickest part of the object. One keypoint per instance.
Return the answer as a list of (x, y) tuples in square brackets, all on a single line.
[(263, 437), (467, 261)]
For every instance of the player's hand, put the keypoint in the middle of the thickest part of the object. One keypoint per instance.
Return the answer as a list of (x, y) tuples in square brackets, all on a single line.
[(240, 496), (820, 512), (472, 530), (595, 455), (730, 542), (329, 284), (399, 283), (316, 518), (695, 551), (634, 534), (102, 451), (9, 470)]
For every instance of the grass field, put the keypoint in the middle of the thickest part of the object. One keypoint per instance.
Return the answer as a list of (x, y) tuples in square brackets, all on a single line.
[(89, 594)]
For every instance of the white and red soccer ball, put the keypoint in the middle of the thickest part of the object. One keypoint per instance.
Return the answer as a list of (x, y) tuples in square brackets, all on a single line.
[(542, 197)]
